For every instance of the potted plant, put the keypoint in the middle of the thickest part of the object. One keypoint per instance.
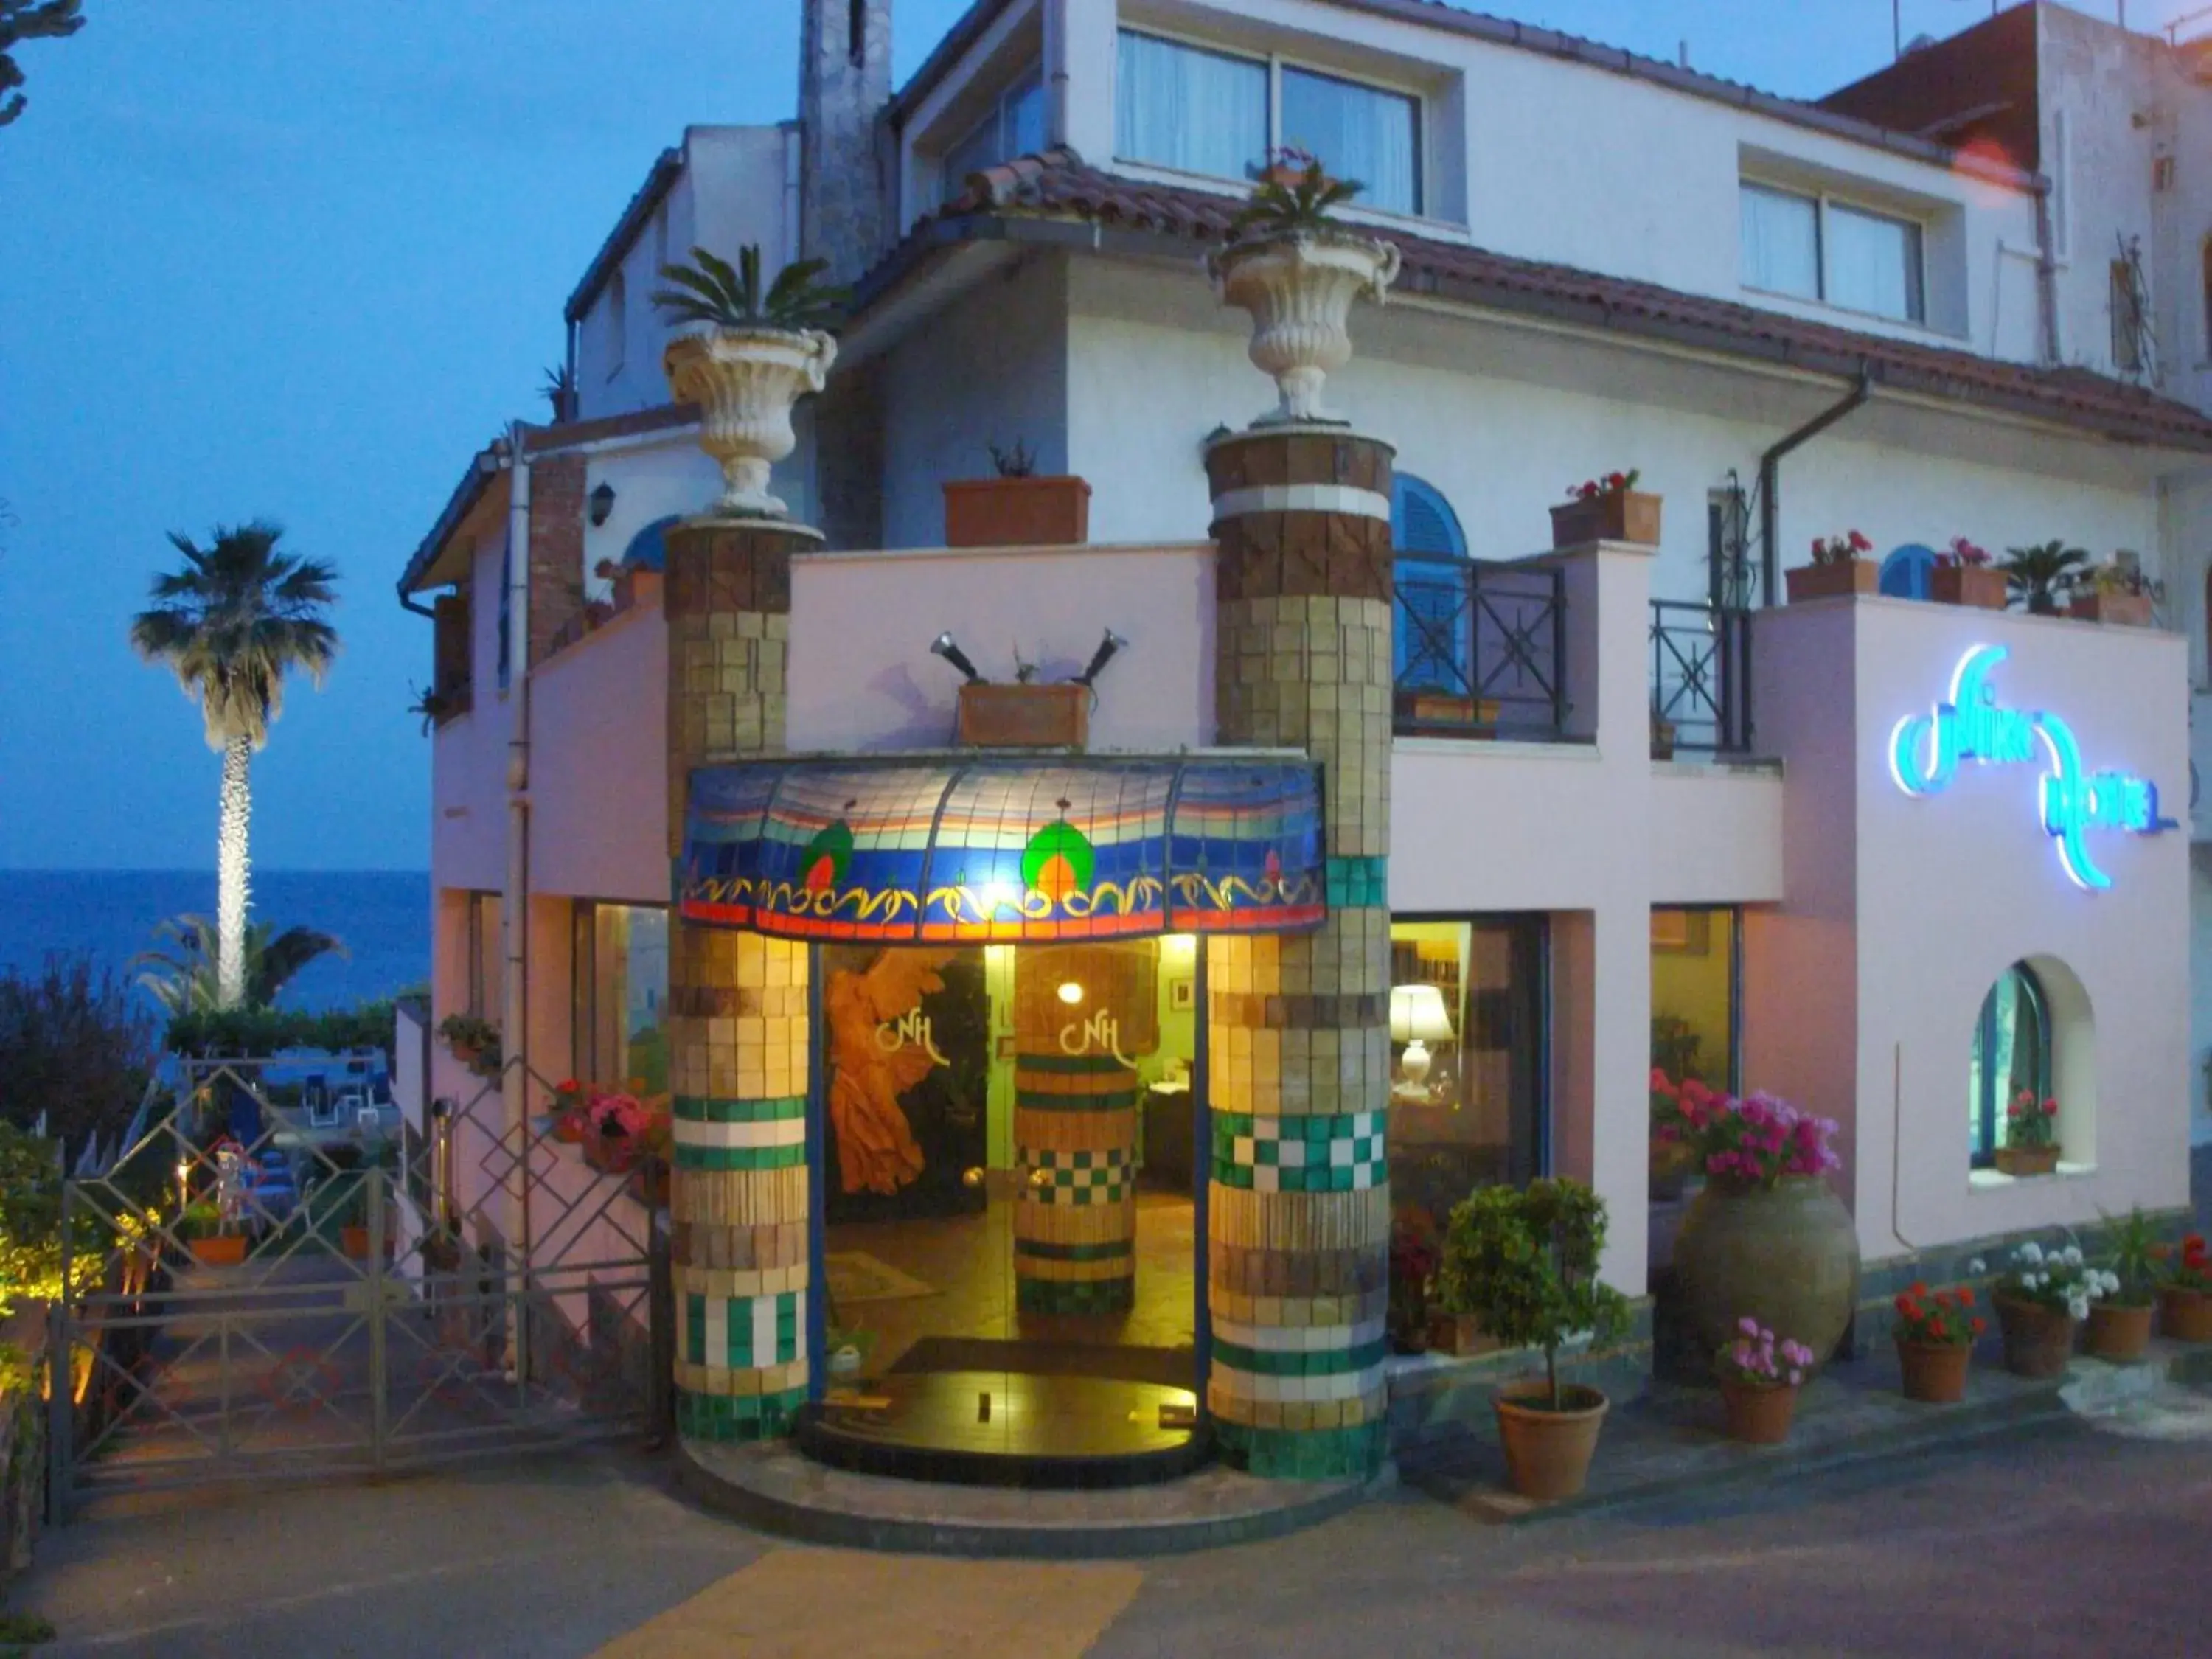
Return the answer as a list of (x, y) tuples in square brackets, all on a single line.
[(745, 357), (204, 1232), (2031, 1145), (1413, 1267), (1525, 1261), (2039, 576), (1673, 1151), (2184, 1298), (1760, 1380), (474, 1042), (1839, 567), (1935, 1332), (2119, 593), (2041, 1301), (1766, 1237), (1296, 270), (2120, 1320), (1016, 508), (1610, 509), (1964, 576), (1662, 736)]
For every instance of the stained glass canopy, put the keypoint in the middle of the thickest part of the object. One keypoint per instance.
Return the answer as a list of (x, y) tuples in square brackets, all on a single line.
[(1004, 850)]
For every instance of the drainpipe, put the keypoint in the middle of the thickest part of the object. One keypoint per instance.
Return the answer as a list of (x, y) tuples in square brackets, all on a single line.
[(2046, 275), (1769, 480), (514, 895)]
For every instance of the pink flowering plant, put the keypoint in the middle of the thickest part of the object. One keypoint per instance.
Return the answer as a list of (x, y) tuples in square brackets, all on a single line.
[(1962, 552), (1613, 483), (1754, 1356), (2030, 1123), (618, 1131), (1760, 1140), (1846, 549)]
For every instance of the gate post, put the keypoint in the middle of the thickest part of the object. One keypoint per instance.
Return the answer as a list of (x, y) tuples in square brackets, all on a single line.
[(379, 1308), (61, 1406), (738, 1011)]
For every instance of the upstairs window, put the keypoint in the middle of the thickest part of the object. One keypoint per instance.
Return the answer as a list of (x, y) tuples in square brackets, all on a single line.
[(1813, 248), (1015, 126), (1212, 113)]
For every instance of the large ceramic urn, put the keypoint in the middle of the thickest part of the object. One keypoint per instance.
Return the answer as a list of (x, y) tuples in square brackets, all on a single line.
[(744, 381), (1788, 1256), (1299, 286)]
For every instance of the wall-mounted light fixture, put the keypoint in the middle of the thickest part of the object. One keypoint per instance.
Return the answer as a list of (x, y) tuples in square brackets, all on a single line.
[(603, 504), (946, 647), (1104, 654)]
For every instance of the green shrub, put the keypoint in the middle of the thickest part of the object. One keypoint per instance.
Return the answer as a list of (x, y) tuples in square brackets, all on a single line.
[(1525, 1261), (243, 1032), (73, 1048)]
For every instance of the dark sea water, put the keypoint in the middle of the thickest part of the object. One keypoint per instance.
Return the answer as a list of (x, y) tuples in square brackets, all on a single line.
[(382, 916)]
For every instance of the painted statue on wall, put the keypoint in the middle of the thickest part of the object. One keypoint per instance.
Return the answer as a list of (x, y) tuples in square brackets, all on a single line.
[(879, 1047)]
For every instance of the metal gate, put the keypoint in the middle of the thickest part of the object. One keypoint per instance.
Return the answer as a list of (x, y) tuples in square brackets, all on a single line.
[(277, 1278)]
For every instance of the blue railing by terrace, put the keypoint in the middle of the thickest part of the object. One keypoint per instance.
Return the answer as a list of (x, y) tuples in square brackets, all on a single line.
[(1480, 648), (1700, 677)]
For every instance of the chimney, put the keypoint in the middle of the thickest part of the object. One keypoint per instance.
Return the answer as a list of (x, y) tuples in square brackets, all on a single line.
[(844, 82)]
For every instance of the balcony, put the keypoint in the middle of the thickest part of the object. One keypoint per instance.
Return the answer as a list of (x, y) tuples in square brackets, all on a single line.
[(1701, 676), (1481, 649)]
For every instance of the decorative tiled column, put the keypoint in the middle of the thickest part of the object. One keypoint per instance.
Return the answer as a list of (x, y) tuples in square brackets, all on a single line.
[(1297, 1028), (737, 1012)]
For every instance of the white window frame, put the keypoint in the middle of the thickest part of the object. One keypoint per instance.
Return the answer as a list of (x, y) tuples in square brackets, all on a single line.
[(1276, 63), (1823, 201)]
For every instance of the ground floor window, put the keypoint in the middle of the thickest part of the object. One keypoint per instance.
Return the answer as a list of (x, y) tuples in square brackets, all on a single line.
[(1467, 1046), (618, 1023), (1696, 964), (2011, 1054)]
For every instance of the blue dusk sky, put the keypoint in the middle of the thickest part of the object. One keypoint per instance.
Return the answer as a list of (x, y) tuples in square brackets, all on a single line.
[(300, 259)]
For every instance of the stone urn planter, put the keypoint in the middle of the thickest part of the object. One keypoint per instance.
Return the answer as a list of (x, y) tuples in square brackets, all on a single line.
[(1809, 582), (1786, 1256), (1758, 1414), (1298, 287), (2038, 1341), (744, 381), (1975, 586), (1547, 1453), (2118, 1331), (2184, 1315), (1935, 1372)]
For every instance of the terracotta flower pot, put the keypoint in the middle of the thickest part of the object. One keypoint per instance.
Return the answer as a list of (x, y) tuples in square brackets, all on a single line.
[(2184, 1316), (1628, 515), (2038, 1341), (2118, 1332), (1017, 512), (1547, 1453), (219, 1249), (1787, 1255), (1832, 582), (2027, 1160), (2123, 610), (1979, 586), (1935, 1372), (1758, 1414)]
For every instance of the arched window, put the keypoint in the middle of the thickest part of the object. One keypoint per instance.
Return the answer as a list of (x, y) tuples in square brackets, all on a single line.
[(1904, 573), (2012, 1052), (1431, 621), (647, 551)]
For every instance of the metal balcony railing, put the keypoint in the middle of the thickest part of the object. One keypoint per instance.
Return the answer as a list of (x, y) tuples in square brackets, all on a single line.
[(1480, 648), (1701, 676)]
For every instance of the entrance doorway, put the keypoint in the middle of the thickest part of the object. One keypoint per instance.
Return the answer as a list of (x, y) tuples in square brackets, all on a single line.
[(1010, 1147)]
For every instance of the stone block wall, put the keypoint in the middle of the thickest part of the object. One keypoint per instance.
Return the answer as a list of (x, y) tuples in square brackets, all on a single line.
[(556, 549)]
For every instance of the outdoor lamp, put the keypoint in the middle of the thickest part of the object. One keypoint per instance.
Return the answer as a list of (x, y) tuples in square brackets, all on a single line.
[(1104, 654), (603, 504), (946, 647), (1417, 1019)]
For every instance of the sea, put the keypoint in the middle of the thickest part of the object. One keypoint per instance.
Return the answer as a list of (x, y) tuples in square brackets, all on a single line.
[(382, 917)]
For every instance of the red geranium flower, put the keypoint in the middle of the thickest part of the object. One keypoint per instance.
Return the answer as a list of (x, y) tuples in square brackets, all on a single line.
[(1937, 1330), (1979, 1328), (1966, 1296), (1919, 1288)]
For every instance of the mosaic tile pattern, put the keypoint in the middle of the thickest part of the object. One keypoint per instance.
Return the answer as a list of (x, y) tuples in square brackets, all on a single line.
[(1075, 1228), (1303, 1154)]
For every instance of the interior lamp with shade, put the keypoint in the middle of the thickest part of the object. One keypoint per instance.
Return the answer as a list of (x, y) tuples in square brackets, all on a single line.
[(1417, 1018)]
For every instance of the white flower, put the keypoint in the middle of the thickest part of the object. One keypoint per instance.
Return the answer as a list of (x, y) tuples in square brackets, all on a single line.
[(2078, 1306), (2030, 1253), (2073, 1256), (1977, 1266), (2111, 1281)]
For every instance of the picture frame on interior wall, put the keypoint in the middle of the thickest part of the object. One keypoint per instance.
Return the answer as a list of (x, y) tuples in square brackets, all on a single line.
[(1182, 993), (1681, 933)]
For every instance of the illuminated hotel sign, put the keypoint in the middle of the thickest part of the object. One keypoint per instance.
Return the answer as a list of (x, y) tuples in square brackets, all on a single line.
[(1925, 750)]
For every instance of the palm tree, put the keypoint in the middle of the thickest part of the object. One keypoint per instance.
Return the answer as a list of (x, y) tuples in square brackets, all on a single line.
[(180, 973), (2044, 574), (231, 624)]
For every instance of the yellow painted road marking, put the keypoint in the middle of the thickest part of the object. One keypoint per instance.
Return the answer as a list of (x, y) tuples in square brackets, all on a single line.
[(812, 1604)]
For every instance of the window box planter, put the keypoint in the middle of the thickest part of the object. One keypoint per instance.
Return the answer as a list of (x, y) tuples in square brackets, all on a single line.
[(1628, 515), (1472, 717), (2027, 1160), (1017, 512), (1024, 716), (1977, 586), (2121, 610), (1809, 582)]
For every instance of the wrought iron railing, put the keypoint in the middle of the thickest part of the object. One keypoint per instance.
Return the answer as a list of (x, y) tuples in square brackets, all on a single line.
[(1480, 648), (1700, 677)]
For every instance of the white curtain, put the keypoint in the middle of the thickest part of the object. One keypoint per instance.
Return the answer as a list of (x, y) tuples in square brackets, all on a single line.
[(1199, 111), (1873, 263), (1781, 242), (1357, 132)]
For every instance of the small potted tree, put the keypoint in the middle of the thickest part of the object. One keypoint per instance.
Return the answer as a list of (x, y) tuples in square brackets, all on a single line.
[(1525, 1261), (2120, 1320), (2041, 1303), (2040, 576), (745, 355), (1297, 269), (1016, 508), (2031, 1145), (2117, 593), (1839, 567), (1964, 576), (1610, 509), (1935, 1331), (1759, 1378), (2185, 1297), (210, 1238)]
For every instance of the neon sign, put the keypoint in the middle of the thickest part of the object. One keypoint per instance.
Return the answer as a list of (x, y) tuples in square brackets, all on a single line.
[(1925, 750)]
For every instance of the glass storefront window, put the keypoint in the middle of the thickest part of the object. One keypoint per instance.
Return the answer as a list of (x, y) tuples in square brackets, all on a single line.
[(619, 1021), (1694, 996), (1467, 1060)]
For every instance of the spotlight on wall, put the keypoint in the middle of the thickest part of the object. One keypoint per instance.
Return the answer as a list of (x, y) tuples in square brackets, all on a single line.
[(603, 504), (1104, 654), (946, 647)]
